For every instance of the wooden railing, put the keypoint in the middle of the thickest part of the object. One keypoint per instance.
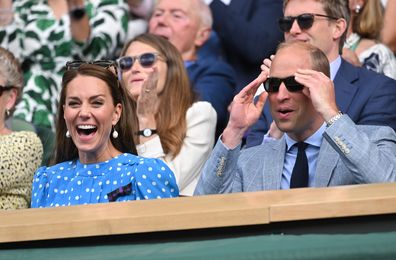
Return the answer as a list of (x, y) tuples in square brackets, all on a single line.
[(212, 211)]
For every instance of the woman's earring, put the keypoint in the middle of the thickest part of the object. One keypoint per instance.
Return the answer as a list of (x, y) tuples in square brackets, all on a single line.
[(67, 134), (115, 133), (358, 8), (7, 112)]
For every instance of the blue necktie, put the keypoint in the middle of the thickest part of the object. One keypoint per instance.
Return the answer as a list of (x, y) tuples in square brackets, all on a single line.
[(299, 177)]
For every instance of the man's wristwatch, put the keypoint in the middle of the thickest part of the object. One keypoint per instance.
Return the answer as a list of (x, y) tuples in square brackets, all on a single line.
[(147, 132), (334, 118)]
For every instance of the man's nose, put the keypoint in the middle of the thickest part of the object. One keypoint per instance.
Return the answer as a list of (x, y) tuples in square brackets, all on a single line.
[(283, 93), (295, 27)]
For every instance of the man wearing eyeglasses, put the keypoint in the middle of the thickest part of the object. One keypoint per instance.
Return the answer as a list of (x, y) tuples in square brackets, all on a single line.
[(367, 97), (187, 25), (321, 146)]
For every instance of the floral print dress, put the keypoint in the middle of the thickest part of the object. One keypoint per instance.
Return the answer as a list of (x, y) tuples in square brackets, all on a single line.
[(44, 44)]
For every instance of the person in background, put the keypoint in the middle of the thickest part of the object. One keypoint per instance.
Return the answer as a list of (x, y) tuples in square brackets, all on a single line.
[(388, 32), (171, 124), (248, 33), (365, 96), (139, 13), (44, 34), (187, 25), (362, 46), (321, 146), (20, 152), (94, 154)]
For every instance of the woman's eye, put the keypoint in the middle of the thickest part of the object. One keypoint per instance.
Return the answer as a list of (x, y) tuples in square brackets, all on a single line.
[(72, 103)]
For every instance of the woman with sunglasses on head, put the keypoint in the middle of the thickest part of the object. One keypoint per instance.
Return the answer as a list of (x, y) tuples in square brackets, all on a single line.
[(172, 125), (20, 152), (362, 46), (94, 152)]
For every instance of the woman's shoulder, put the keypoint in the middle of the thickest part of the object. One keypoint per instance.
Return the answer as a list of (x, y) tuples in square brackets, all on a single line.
[(201, 110), (140, 162), (201, 107), (23, 141)]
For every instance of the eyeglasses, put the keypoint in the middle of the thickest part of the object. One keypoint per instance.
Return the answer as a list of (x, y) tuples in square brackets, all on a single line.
[(146, 60), (74, 65), (5, 88), (304, 21), (273, 84)]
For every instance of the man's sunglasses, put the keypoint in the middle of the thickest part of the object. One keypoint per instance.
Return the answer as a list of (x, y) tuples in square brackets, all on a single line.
[(304, 21), (273, 84), (146, 60), (74, 65), (5, 88)]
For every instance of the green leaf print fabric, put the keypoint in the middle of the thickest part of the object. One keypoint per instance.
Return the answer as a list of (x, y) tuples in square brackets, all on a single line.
[(44, 44)]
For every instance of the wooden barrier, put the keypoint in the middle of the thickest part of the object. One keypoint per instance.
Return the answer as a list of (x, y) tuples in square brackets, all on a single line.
[(188, 213)]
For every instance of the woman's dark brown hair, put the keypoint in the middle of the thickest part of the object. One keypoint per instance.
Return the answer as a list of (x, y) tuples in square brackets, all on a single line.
[(176, 97), (65, 149)]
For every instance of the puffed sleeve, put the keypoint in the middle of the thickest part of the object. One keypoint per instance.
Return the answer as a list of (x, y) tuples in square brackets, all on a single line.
[(40, 188), (154, 180)]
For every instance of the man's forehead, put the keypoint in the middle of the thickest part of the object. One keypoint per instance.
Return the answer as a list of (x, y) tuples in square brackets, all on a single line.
[(288, 59), (297, 7)]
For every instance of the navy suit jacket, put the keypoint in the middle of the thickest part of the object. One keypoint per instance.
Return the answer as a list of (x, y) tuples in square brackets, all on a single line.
[(214, 81), (249, 32), (367, 97)]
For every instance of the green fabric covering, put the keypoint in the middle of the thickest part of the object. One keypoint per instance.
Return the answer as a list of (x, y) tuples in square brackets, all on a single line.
[(356, 246)]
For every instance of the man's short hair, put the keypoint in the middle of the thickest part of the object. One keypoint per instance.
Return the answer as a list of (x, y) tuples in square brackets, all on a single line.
[(334, 8), (319, 59)]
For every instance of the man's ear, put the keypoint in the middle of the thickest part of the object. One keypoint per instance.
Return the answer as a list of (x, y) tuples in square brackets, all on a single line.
[(339, 28), (203, 35)]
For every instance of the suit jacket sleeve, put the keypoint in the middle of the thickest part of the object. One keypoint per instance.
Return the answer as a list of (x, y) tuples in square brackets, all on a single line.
[(369, 152), (218, 173), (197, 145)]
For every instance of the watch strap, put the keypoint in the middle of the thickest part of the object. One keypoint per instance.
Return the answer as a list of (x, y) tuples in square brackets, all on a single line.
[(142, 132)]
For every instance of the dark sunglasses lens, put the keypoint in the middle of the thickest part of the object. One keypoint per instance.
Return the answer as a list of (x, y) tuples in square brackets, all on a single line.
[(147, 59), (73, 65), (305, 21), (272, 84), (125, 63), (285, 23), (292, 85)]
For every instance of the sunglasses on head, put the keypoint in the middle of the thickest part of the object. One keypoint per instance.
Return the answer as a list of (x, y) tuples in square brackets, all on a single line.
[(304, 21), (272, 84), (146, 60), (5, 88), (74, 65)]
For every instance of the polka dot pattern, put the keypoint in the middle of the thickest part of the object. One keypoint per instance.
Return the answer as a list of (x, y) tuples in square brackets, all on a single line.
[(73, 183)]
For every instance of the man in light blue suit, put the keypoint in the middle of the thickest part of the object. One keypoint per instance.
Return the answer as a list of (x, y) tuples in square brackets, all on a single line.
[(303, 105), (366, 97)]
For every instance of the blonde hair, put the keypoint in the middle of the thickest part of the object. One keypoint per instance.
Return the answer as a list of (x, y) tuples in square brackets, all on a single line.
[(368, 23)]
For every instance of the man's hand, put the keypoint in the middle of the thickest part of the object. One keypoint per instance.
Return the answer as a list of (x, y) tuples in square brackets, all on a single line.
[(320, 89), (244, 112)]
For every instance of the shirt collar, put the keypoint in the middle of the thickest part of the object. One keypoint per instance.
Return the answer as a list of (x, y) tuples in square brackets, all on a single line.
[(314, 140), (334, 66)]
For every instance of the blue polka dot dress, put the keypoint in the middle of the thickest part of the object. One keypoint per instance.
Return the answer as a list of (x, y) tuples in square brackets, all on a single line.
[(125, 177)]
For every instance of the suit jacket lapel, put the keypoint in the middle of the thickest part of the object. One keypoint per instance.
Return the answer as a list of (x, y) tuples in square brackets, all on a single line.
[(344, 88), (326, 164), (273, 164)]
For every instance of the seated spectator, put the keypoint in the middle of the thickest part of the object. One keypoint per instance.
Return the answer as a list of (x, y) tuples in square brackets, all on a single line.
[(20, 152), (368, 98), (94, 151), (170, 123), (139, 13), (248, 33), (388, 32), (44, 34), (363, 38), (321, 146), (187, 25)]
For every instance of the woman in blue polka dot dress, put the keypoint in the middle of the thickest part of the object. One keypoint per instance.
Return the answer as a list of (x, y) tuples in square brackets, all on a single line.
[(94, 158)]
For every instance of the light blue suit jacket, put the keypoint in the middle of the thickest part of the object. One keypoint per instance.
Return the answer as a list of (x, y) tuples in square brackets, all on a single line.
[(349, 154)]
